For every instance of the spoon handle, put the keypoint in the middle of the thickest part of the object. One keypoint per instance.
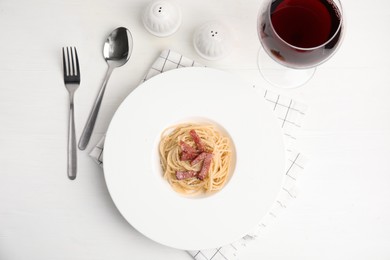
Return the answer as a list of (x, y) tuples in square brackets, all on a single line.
[(89, 126)]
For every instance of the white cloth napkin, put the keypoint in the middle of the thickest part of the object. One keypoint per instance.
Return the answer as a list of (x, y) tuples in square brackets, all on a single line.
[(289, 114)]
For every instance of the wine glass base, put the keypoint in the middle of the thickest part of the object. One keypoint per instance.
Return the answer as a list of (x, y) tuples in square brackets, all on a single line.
[(281, 76)]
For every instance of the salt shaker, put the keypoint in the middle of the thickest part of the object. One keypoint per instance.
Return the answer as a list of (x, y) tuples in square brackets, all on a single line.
[(213, 40)]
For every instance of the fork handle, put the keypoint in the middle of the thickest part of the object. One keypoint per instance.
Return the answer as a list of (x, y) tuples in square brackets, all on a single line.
[(89, 126), (72, 151)]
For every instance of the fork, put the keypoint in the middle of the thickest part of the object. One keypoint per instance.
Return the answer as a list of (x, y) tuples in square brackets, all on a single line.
[(72, 82)]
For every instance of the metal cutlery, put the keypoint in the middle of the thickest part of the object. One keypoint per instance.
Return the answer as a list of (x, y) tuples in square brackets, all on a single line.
[(116, 51), (72, 82)]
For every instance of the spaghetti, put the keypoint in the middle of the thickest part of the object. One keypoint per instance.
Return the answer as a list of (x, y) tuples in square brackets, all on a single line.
[(195, 158)]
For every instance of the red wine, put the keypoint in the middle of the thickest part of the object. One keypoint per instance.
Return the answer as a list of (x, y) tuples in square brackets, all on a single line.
[(301, 33)]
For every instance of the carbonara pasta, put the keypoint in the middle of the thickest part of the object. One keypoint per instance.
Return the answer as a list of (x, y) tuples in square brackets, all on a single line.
[(195, 158)]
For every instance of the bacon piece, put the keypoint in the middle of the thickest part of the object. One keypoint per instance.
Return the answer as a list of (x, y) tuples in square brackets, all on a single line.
[(188, 152), (182, 175), (197, 140), (199, 158), (186, 148), (188, 156), (205, 167)]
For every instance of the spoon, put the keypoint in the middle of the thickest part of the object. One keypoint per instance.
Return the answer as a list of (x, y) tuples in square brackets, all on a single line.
[(116, 51)]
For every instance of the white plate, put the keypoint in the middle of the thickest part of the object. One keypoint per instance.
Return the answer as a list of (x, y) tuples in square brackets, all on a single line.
[(133, 172)]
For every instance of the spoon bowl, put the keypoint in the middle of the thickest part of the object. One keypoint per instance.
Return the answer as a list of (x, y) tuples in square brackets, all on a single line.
[(116, 51), (118, 46)]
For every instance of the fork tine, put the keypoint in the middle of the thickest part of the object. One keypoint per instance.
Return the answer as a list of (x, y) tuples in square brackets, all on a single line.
[(72, 58), (64, 60), (77, 62), (69, 67)]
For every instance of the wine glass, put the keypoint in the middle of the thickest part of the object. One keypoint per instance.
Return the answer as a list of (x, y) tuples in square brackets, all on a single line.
[(296, 36)]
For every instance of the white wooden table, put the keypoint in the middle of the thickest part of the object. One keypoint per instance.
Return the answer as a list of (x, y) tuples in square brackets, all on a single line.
[(343, 209)]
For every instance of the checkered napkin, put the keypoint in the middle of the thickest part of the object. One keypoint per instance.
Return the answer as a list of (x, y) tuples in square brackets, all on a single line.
[(289, 114)]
